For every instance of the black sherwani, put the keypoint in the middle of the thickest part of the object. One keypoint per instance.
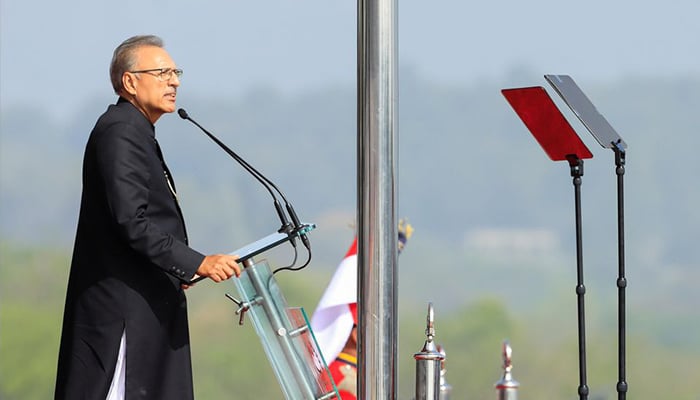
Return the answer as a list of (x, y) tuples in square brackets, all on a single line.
[(129, 259)]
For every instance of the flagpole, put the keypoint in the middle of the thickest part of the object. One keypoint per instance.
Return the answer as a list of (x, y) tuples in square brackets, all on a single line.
[(377, 217)]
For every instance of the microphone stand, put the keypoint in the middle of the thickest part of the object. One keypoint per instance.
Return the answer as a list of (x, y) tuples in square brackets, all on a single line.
[(288, 231), (621, 280), (285, 333), (286, 226), (576, 165)]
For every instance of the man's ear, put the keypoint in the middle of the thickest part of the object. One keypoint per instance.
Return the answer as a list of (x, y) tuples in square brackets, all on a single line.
[(129, 83)]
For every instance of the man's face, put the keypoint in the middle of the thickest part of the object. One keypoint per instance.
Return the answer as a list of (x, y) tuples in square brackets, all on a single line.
[(153, 95)]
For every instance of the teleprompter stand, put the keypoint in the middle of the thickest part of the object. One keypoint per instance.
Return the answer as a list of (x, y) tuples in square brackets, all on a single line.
[(606, 136), (285, 331), (559, 140)]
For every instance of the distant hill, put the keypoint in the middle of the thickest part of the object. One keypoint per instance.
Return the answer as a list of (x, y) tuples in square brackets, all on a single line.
[(493, 215)]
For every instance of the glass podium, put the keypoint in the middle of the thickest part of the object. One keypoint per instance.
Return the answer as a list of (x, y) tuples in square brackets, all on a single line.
[(284, 331)]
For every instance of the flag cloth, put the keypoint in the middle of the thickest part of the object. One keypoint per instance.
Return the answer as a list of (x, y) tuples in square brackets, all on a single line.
[(333, 320), (336, 313)]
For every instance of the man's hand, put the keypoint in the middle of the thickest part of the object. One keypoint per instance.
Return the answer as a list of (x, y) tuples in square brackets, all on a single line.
[(219, 267)]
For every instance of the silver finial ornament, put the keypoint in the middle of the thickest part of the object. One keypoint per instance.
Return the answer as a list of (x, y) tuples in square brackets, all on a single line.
[(507, 387), (445, 388), (428, 362)]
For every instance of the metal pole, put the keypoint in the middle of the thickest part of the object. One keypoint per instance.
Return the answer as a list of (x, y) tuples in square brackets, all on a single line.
[(622, 385), (377, 217), (576, 166)]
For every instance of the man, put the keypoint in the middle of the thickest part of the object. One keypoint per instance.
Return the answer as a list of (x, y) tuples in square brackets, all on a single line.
[(125, 330), (334, 322)]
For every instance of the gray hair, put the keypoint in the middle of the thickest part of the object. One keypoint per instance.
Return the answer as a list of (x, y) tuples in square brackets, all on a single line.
[(124, 58)]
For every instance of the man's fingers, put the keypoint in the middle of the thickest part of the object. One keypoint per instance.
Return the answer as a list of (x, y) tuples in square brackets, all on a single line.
[(221, 267), (236, 266), (232, 268)]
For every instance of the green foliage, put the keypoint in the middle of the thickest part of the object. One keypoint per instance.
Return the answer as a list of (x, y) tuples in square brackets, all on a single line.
[(31, 306), (493, 176), (29, 348), (229, 361)]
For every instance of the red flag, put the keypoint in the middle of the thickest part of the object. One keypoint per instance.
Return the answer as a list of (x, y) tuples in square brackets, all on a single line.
[(333, 319), (336, 312)]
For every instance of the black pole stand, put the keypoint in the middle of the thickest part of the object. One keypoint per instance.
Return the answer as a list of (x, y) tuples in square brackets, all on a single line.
[(606, 136), (576, 165), (559, 140), (621, 280)]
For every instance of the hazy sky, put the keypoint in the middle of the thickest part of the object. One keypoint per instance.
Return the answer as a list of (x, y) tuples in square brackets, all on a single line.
[(56, 53)]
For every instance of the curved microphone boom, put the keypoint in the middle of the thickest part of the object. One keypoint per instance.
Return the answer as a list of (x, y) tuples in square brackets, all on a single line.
[(286, 227)]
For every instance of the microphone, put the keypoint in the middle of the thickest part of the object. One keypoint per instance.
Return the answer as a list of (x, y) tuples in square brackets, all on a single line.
[(286, 227)]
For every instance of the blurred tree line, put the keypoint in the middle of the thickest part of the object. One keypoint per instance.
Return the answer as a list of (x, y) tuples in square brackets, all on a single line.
[(229, 361), (468, 171)]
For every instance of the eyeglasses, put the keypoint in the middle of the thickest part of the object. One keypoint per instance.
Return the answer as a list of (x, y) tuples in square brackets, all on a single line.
[(162, 74)]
